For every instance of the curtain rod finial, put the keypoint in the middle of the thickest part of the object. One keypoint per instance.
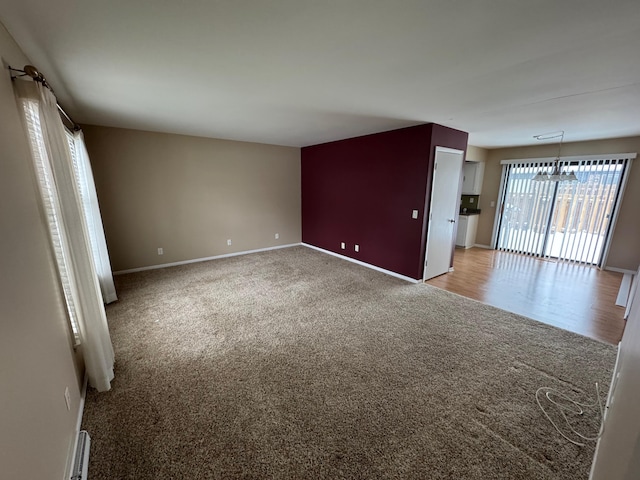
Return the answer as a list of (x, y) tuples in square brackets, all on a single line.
[(32, 71)]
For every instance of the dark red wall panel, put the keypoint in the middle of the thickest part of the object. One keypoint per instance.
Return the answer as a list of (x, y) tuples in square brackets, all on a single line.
[(363, 190)]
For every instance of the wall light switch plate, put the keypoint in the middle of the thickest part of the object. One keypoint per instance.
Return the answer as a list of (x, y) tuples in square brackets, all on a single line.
[(229, 242), (471, 200), (160, 251), (414, 214), (357, 248), (342, 245), (277, 236)]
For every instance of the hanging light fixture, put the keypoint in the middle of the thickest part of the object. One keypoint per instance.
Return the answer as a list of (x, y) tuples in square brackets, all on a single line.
[(556, 174)]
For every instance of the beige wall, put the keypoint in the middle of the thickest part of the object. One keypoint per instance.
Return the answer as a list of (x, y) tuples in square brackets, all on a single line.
[(188, 195), (476, 154), (37, 431), (625, 244)]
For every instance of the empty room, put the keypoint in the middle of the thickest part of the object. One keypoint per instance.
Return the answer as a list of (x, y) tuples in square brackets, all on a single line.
[(366, 239)]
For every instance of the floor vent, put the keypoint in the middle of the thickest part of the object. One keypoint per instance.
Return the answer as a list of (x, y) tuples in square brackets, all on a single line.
[(81, 462)]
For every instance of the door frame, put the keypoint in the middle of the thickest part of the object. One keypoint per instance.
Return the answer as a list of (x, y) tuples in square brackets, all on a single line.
[(426, 248)]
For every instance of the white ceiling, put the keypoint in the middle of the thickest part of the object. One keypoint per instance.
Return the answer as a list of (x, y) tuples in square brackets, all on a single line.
[(301, 72)]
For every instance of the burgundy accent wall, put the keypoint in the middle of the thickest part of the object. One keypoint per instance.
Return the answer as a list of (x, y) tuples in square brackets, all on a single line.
[(362, 191)]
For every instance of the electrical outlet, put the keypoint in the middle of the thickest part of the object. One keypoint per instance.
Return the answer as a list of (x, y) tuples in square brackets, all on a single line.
[(414, 214), (342, 245), (357, 248), (67, 398), (277, 236), (229, 242), (160, 251), (493, 204), (471, 200)]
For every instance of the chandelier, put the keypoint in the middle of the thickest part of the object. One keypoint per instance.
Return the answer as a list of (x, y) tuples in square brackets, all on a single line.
[(556, 174)]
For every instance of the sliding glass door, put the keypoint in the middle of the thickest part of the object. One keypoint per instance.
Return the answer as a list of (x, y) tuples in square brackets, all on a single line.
[(564, 220), (526, 206)]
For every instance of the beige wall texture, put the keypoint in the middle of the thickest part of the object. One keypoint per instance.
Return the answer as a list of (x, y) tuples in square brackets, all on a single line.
[(189, 195), (37, 432), (476, 154), (625, 244)]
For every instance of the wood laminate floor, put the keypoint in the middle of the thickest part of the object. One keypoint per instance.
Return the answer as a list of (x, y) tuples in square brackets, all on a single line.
[(578, 298)]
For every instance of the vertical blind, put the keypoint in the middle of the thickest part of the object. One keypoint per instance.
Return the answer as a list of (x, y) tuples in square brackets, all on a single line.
[(568, 221)]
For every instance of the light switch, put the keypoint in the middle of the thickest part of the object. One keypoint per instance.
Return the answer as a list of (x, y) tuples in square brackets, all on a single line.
[(160, 251), (357, 248), (414, 214), (342, 245), (471, 200)]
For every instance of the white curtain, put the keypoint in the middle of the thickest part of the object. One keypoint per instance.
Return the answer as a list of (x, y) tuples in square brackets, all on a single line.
[(61, 201), (92, 216)]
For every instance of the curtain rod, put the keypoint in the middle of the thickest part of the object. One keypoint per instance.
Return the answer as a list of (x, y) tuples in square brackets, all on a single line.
[(37, 76)]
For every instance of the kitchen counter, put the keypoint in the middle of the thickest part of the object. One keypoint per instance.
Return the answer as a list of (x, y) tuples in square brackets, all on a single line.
[(470, 212)]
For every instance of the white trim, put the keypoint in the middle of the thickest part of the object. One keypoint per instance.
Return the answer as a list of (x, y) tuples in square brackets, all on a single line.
[(203, 259), (71, 459), (632, 293), (573, 158), (620, 270), (450, 150), (625, 290), (368, 265), (482, 245)]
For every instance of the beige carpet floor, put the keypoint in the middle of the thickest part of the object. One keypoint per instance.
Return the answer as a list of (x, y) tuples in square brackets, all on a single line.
[(292, 364)]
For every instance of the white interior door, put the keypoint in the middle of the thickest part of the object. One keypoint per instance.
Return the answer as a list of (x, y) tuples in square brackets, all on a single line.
[(443, 214)]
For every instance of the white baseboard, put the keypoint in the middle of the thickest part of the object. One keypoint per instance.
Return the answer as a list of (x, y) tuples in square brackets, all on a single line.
[(368, 265), (246, 252), (480, 245), (203, 259), (625, 290), (620, 270), (83, 396)]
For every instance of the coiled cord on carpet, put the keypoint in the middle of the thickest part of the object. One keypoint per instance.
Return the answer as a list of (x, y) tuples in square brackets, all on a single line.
[(571, 406)]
